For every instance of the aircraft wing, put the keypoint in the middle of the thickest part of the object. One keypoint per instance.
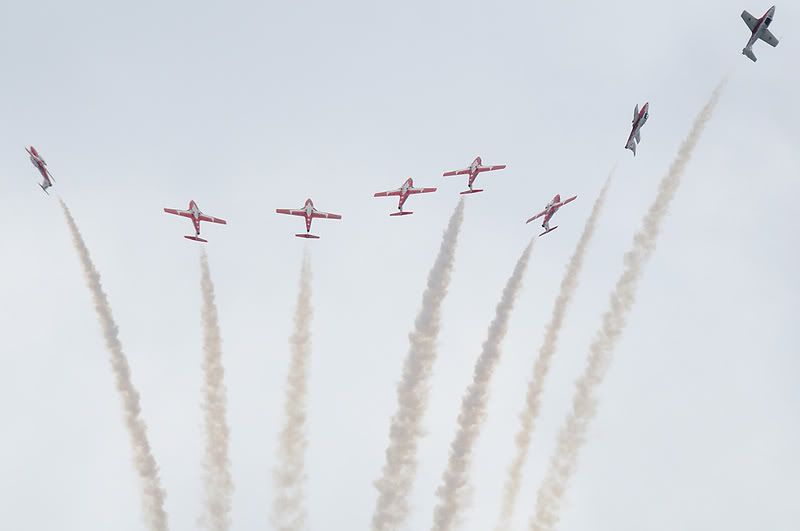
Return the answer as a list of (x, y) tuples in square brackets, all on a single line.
[(455, 172), (537, 216), (390, 193), (492, 168), (564, 202), (325, 215), (290, 211), (750, 20), (768, 37), (421, 190), (212, 219), (184, 213)]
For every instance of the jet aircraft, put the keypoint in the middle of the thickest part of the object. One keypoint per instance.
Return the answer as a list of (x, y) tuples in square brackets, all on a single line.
[(41, 165), (760, 30), (474, 169), (549, 210), (196, 215), (310, 213), (639, 119), (403, 193)]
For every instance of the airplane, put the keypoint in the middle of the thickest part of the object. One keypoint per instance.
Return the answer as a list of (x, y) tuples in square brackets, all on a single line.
[(548, 212), (196, 215), (474, 169), (310, 213), (403, 193), (639, 119), (41, 165), (759, 27)]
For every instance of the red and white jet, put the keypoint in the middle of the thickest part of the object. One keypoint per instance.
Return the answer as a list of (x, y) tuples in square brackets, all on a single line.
[(41, 165), (403, 192), (474, 169), (639, 119), (196, 215), (759, 27), (548, 212), (310, 213)]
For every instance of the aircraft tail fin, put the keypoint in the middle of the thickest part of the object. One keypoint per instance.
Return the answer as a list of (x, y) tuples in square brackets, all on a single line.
[(196, 239), (402, 213), (749, 53), (632, 146)]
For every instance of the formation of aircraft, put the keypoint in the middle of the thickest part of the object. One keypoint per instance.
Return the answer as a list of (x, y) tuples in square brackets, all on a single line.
[(759, 28), (309, 212), (41, 165), (196, 215), (403, 192), (473, 171), (549, 211)]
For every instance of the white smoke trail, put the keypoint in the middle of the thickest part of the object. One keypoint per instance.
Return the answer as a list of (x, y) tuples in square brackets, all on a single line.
[(218, 482), (584, 404), (451, 492), (289, 511), (144, 462), (399, 471), (542, 366)]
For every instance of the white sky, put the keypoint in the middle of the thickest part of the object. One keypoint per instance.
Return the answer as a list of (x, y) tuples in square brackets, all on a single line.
[(249, 106)]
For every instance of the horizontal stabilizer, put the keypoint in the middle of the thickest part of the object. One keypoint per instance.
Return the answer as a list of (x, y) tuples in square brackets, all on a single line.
[(551, 229), (465, 192), (195, 238), (307, 236), (44, 189), (749, 53), (404, 213)]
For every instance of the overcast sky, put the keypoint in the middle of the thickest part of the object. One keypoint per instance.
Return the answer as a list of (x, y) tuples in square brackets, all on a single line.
[(251, 106)]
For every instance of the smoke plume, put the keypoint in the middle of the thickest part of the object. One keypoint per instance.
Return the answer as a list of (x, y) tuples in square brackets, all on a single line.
[(144, 462), (218, 482), (584, 404), (451, 492), (289, 511), (399, 471), (532, 402)]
